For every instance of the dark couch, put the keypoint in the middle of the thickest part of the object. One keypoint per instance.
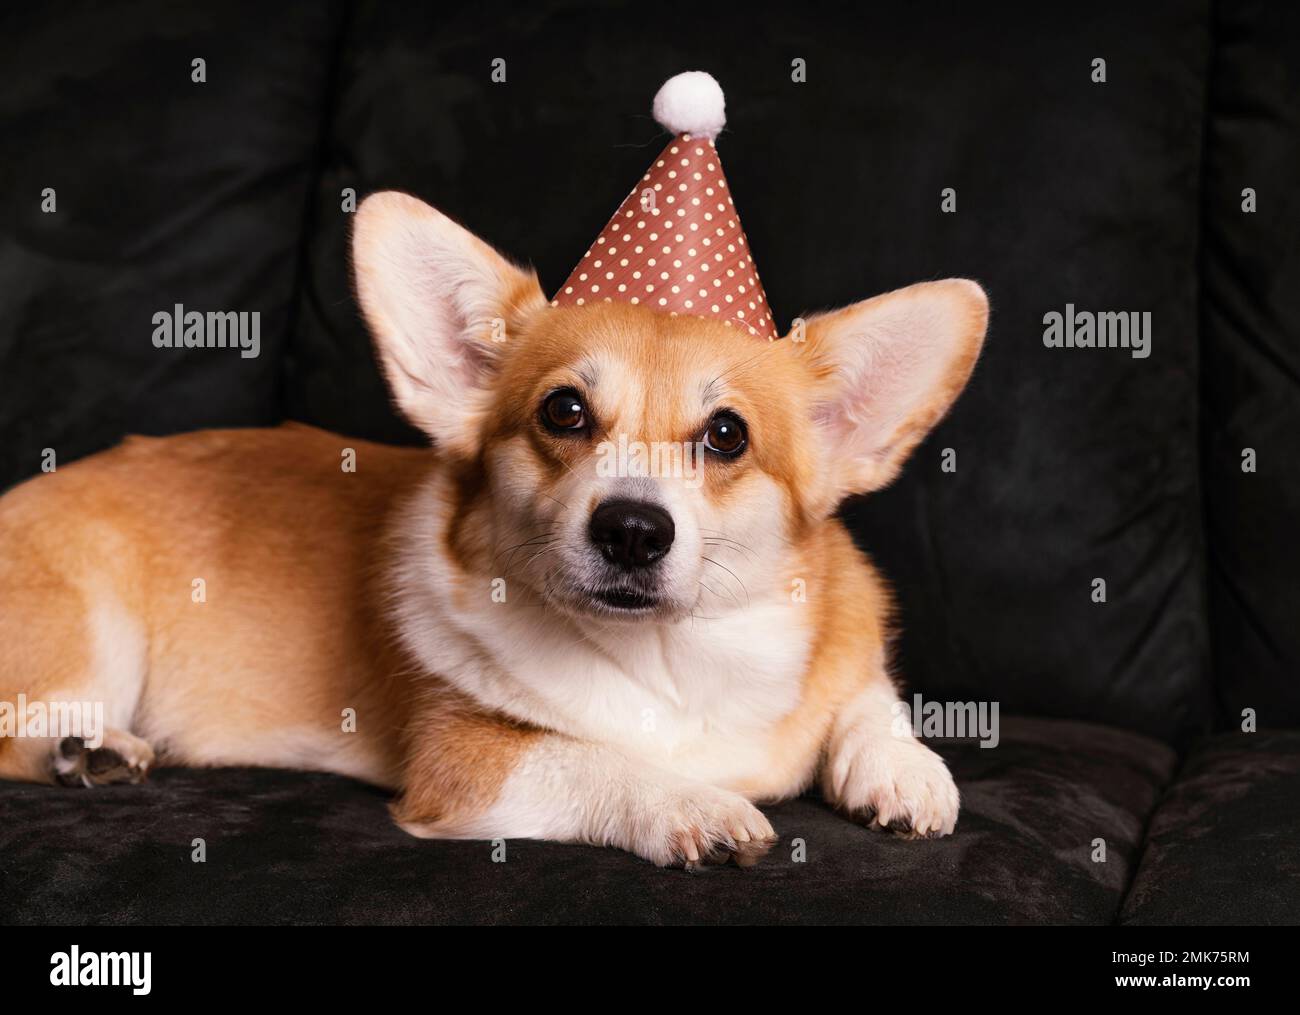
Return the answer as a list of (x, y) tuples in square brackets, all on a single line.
[(1148, 769)]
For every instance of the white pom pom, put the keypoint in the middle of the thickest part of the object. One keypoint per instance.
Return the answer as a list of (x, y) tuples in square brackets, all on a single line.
[(691, 103)]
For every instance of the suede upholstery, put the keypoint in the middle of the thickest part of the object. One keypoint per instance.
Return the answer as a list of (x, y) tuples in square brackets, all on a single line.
[(286, 847), (1221, 847), (1251, 363), (166, 192)]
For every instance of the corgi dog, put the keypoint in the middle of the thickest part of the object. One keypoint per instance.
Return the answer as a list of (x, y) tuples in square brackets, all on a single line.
[(516, 638)]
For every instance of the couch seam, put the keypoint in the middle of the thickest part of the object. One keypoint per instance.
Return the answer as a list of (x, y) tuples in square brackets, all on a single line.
[(307, 216), (1198, 493)]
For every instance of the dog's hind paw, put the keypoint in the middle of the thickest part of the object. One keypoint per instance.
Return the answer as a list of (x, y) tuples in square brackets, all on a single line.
[(122, 757)]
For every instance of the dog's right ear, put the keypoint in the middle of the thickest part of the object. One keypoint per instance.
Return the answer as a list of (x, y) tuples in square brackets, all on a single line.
[(440, 304)]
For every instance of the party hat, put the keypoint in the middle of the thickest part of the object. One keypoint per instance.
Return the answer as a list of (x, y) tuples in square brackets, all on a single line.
[(675, 244)]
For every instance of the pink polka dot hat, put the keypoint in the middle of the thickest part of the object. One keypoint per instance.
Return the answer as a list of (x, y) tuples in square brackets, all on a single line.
[(675, 244)]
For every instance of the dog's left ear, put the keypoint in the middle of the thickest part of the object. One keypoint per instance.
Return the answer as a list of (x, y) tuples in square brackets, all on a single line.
[(441, 305), (888, 370)]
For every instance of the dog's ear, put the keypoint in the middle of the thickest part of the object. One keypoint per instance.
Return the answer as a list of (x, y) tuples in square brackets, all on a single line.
[(440, 304), (887, 370)]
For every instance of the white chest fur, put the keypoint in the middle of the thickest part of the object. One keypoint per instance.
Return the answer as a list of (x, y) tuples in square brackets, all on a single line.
[(698, 696)]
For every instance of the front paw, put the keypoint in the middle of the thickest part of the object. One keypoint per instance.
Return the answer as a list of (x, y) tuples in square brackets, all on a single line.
[(696, 825), (894, 783)]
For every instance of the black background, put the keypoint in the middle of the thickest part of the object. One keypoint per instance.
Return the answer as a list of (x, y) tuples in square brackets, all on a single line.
[(360, 964)]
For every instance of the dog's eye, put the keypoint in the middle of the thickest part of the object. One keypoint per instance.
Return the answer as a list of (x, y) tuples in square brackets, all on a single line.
[(563, 411), (726, 434)]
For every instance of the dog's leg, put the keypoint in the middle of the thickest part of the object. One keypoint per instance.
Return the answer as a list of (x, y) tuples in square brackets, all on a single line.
[(72, 669), (475, 776), (878, 772)]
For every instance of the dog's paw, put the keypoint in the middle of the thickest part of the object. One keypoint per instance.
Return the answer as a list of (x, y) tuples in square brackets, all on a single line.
[(893, 783), (122, 757), (699, 825)]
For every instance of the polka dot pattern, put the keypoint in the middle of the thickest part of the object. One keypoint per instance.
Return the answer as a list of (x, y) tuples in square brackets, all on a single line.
[(675, 245)]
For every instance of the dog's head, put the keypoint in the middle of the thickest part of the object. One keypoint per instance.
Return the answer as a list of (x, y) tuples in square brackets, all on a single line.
[(640, 465)]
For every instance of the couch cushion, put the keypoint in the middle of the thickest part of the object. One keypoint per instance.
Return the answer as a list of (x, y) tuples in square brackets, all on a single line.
[(166, 192), (286, 847), (1072, 464), (1251, 361), (1223, 847)]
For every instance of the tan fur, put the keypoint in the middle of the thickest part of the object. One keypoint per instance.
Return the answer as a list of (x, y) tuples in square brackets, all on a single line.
[(288, 547), (457, 759)]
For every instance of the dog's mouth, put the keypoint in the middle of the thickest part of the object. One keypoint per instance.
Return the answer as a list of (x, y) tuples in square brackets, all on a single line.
[(610, 596), (625, 601)]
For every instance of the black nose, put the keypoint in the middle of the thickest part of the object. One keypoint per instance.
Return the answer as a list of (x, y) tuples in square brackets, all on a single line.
[(631, 533)]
